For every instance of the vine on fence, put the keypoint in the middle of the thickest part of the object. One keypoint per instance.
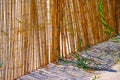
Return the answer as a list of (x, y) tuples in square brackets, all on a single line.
[(108, 29)]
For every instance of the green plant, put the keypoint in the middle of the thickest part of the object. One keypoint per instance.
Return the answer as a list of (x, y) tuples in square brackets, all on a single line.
[(108, 29), (63, 61), (118, 60), (116, 39), (80, 62), (87, 47), (1, 64), (81, 42), (95, 77), (4, 33)]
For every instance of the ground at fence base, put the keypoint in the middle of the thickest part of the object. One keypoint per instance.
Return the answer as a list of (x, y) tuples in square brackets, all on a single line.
[(109, 75), (107, 54)]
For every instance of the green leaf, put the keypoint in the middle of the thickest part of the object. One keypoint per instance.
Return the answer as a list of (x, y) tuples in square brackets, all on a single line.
[(1, 64), (116, 40), (19, 21), (110, 29), (63, 61), (102, 14), (100, 6), (81, 42), (104, 22), (108, 33)]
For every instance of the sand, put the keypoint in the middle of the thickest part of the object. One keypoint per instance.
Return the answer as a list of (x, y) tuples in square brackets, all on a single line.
[(109, 75)]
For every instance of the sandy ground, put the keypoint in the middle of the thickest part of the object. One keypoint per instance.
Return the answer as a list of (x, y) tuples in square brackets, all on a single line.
[(101, 57), (109, 75)]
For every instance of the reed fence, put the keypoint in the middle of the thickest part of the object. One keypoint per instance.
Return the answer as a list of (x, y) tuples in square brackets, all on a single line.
[(34, 33)]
